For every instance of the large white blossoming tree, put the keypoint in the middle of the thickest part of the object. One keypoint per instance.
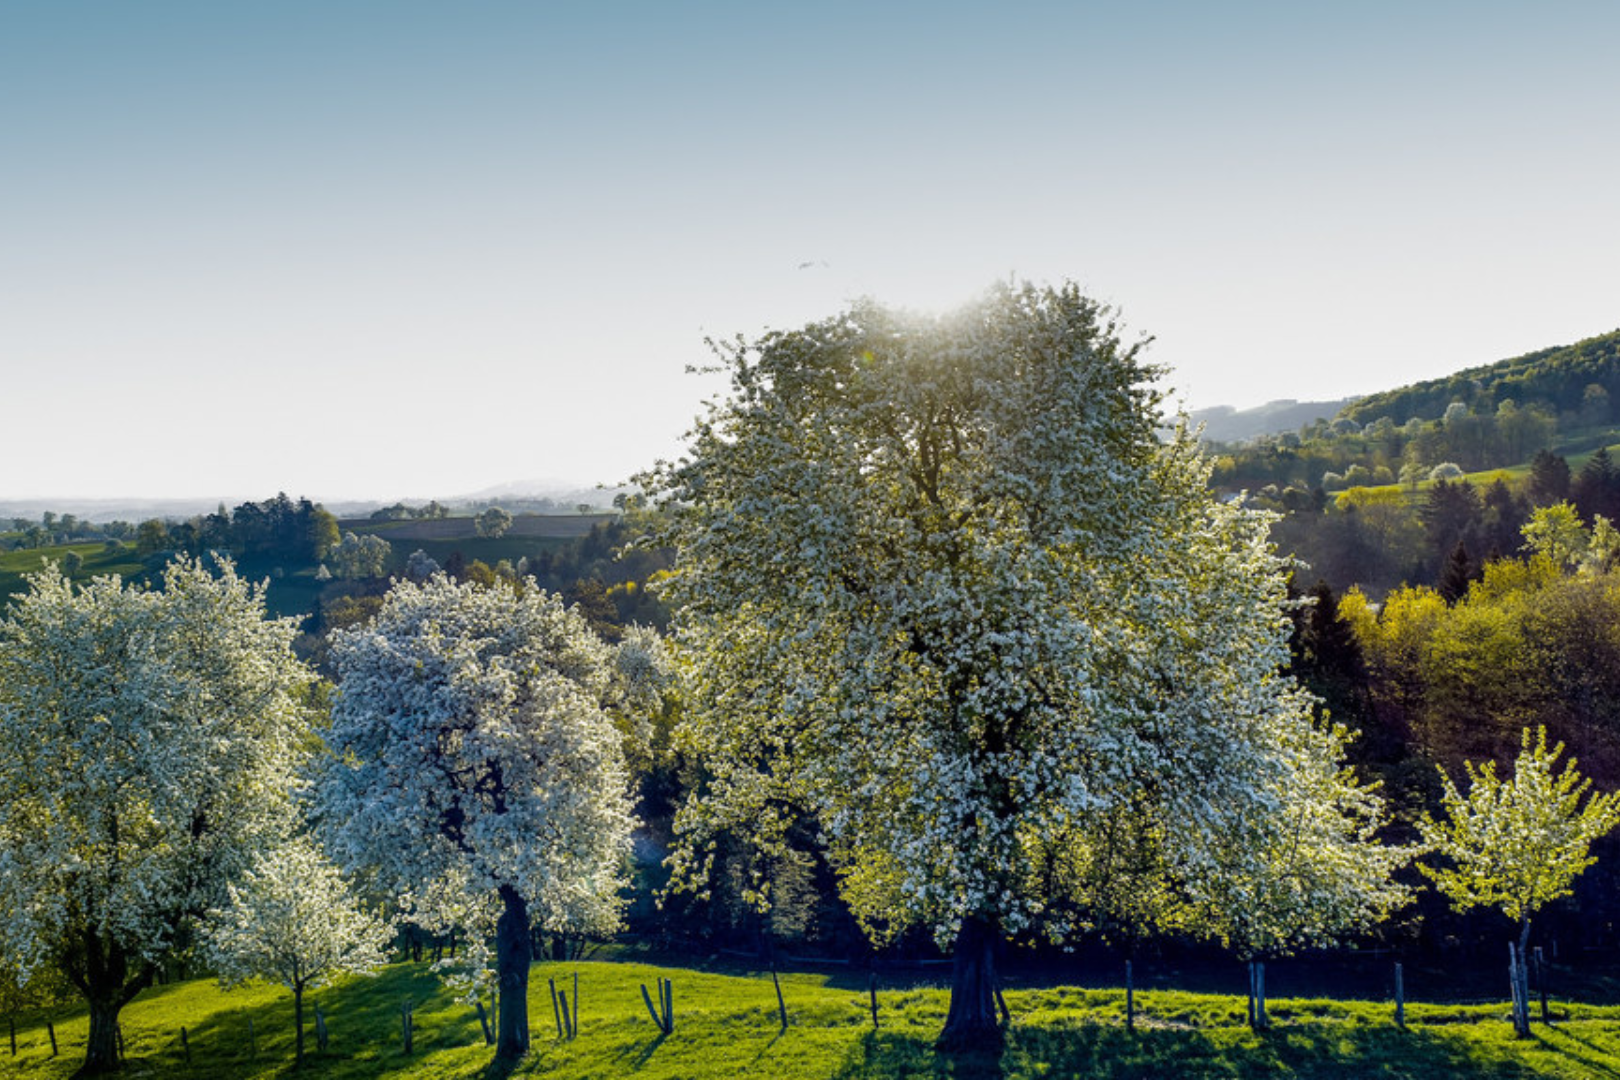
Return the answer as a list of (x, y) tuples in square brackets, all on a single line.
[(943, 583), (149, 744), (478, 771)]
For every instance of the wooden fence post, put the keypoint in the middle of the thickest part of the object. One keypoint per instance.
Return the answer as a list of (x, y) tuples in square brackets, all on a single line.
[(483, 1022), (573, 1024), (1130, 999), (1541, 984), (253, 1041), (405, 1025), (185, 1045), (781, 1005), (320, 1030), (1400, 998), (50, 1029), (652, 1012), (556, 1010)]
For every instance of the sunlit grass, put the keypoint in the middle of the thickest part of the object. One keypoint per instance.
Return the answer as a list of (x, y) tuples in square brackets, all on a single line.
[(727, 1025)]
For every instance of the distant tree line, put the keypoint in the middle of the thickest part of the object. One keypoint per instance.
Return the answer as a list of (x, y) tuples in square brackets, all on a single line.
[(277, 530), (1440, 536)]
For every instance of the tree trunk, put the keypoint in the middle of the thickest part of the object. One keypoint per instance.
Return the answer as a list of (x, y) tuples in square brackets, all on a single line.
[(1258, 1020), (512, 958), (972, 1023), (1521, 983), (102, 974), (101, 1051), (298, 1025)]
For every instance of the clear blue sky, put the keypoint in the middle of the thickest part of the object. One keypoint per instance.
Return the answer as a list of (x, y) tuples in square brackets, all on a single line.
[(412, 249)]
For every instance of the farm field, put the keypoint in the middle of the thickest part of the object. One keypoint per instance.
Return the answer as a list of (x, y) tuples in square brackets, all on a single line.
[(98, 560), (726, 1025)]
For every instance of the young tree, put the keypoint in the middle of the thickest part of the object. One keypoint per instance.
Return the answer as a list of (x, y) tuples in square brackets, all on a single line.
[(1304, 876), (1518, 845), (1557, 532), (476, 768), (149, 741), (295, 920), (941, 584)]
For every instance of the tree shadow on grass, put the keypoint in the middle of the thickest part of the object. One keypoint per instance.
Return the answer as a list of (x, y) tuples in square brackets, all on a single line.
[(363, 1018), (500, 1068), (1595, 1059), (1329, 1051)]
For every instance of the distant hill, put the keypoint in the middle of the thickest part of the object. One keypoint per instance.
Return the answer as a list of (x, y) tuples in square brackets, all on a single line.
[(1224, 423), (1557, 377)]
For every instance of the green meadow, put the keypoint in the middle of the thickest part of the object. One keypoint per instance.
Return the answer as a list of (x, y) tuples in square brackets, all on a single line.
[(727, 1025)]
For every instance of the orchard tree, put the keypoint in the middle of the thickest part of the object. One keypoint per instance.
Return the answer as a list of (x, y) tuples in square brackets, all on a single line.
[(358, 557), (477, 770), (1517, 845), (149, 742), (294, 919), (1303, 875), (940, 583)]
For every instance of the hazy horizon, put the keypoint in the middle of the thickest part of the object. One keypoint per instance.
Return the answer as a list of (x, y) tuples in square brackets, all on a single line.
[(405, 247)]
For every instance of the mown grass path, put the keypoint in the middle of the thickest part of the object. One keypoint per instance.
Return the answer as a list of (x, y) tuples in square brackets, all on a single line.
[(726, 1025)]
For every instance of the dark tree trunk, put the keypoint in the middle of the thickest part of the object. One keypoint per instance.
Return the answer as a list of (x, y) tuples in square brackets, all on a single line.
[(298, 1024), (972, 1023), (513, 954), (101, 1051), (101, 972)]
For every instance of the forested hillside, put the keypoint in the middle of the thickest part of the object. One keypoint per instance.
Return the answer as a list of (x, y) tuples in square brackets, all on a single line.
[(1561, 379)]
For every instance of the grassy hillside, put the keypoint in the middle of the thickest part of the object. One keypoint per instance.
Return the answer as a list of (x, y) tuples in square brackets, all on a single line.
[(97, 558), (726, 1025)]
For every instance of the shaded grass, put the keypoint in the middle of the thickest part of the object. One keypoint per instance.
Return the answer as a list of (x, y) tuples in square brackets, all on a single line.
[(726, 1025)]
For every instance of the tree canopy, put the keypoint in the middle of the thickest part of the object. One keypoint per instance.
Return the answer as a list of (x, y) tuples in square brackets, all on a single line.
[(292, 918), (149, 745), (942, 585), (477, 771)]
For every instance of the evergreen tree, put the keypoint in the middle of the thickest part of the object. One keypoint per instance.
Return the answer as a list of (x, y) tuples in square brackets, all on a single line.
[(1457, 574), (1451, 510), (1597, 489), (1549, 478)]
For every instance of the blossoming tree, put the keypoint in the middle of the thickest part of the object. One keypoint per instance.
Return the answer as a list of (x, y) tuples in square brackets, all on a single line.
[(292, 918), (1517, 845), (477, 769), (941, 583), (149, 743)]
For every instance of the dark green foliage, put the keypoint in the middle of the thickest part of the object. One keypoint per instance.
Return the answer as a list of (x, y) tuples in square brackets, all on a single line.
[(1549, 478), (1328, 661), (1556, 377), (1596, 490), (1496, 532), (1458, 573), (1449, 513)]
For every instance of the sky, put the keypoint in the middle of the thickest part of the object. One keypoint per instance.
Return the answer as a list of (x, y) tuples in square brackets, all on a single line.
[(406, 249)]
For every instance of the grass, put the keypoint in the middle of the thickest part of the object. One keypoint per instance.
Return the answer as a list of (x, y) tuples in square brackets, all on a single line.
[(98, 561), (726, 1026)]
